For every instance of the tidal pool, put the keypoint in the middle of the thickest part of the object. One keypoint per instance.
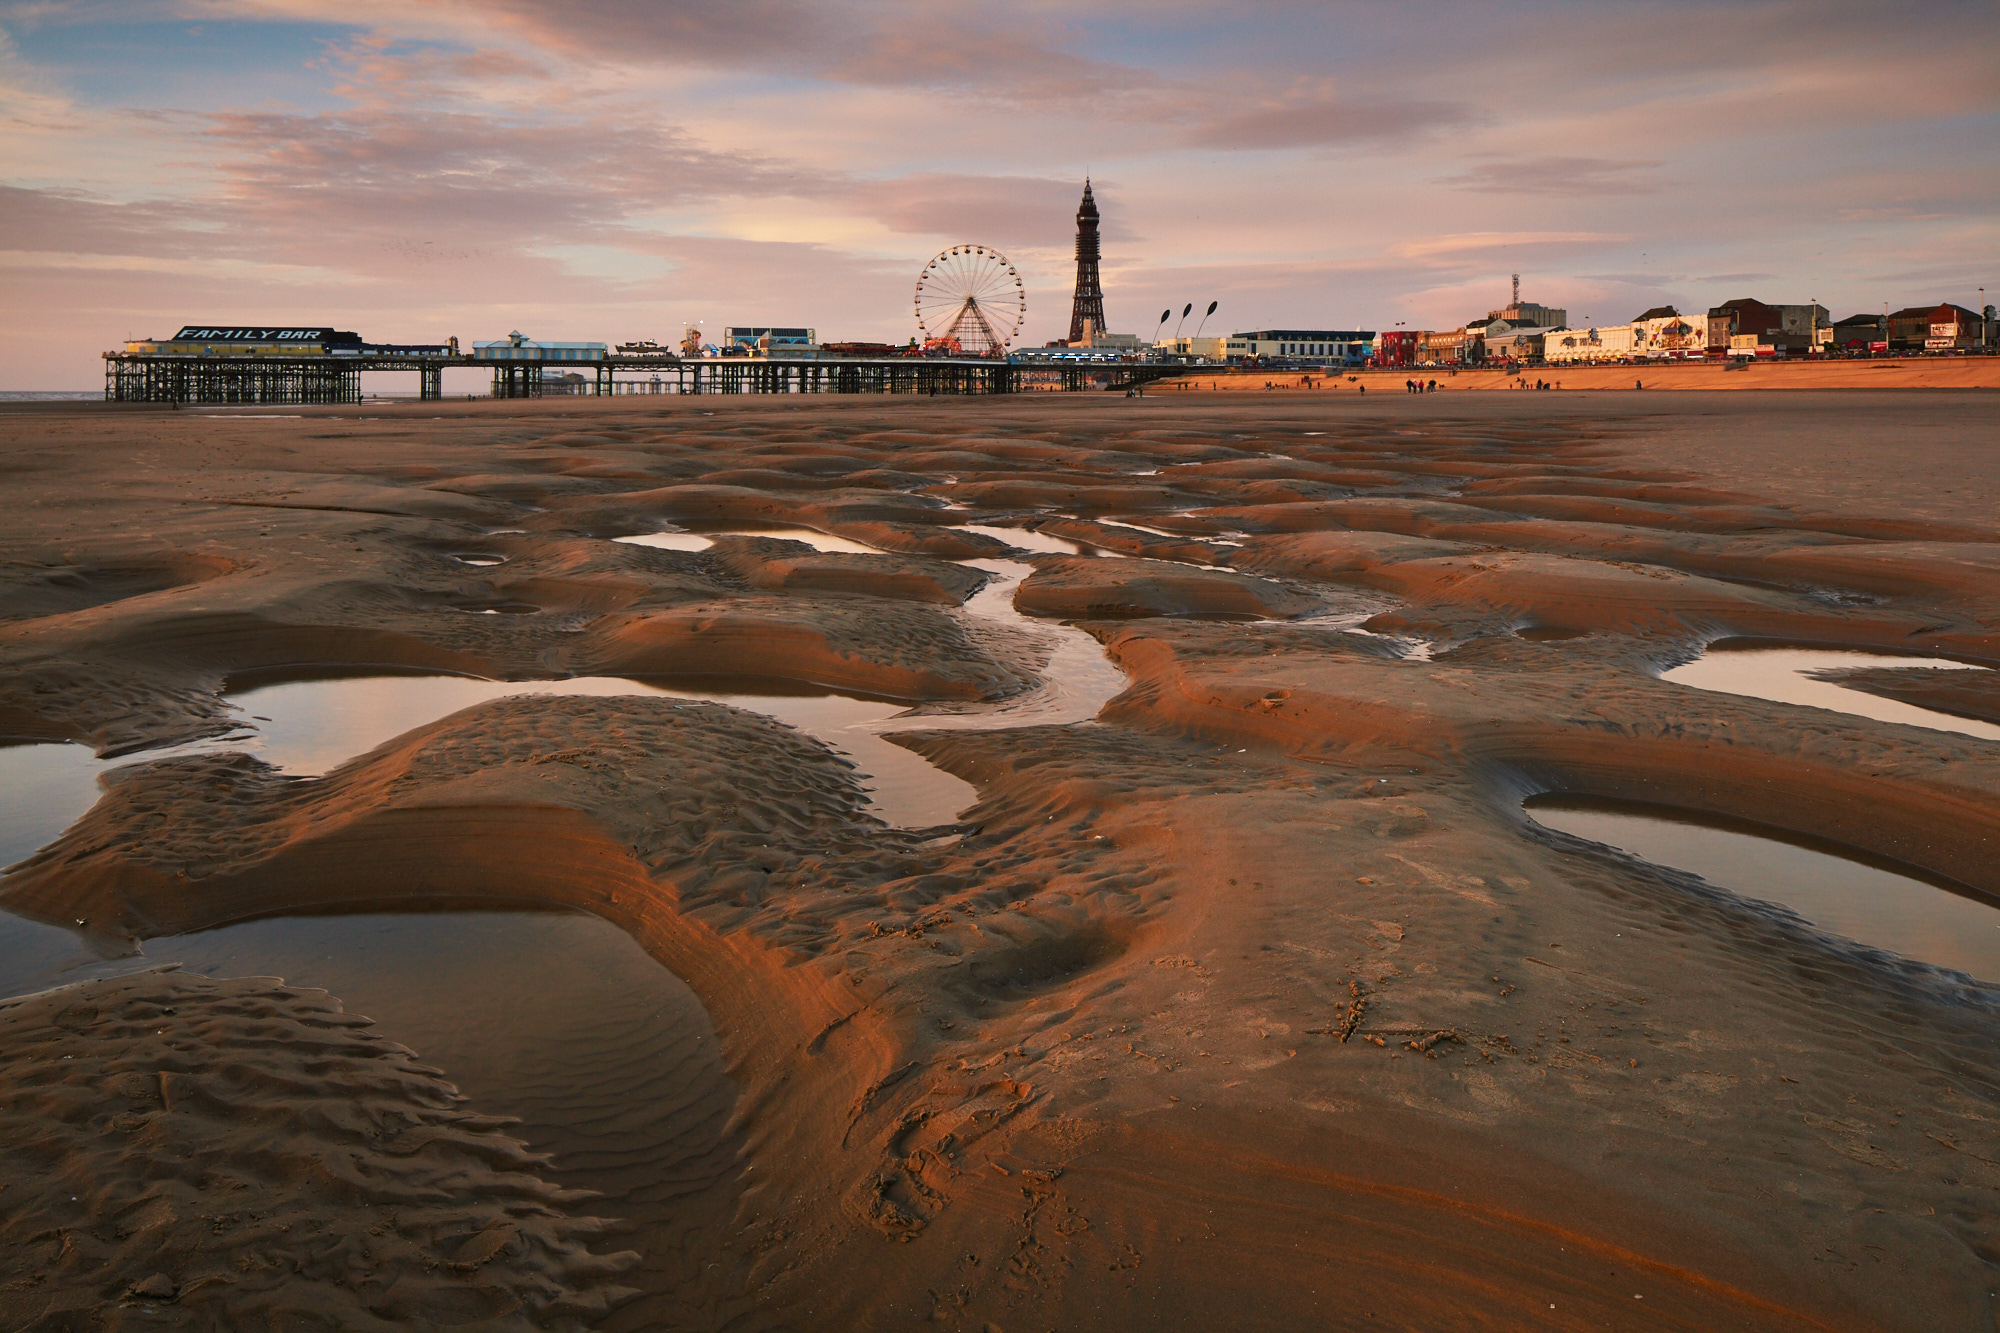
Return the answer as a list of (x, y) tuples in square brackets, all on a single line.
[(310, 726), (1078, 679), (1840, 894), (695, 537), (1025, 540), (1782, 675)]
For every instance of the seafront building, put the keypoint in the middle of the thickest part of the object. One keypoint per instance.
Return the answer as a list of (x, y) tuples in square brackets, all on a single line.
[(1396, 347), (1660, 334), (1939, 328), (1447, 347), (1861, 333), (1607, 342), (1513, 346), (1747, 327), (1304, 347)]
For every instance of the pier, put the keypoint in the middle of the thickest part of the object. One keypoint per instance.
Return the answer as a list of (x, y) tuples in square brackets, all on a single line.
[(268, 379)]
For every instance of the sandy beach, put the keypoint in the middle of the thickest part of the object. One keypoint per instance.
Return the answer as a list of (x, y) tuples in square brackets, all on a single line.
[(1871, 374), (1053, 862)]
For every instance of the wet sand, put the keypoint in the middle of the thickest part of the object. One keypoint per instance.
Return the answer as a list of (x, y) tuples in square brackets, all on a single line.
[(1256, 1000)]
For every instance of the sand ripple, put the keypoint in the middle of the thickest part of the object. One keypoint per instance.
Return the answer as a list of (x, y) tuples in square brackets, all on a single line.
[(239, 1154)]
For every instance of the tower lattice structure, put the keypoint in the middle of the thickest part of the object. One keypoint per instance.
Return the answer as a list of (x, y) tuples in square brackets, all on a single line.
[(1086, 310)]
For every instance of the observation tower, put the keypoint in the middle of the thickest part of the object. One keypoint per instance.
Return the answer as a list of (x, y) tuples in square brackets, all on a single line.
[(1086, 312)]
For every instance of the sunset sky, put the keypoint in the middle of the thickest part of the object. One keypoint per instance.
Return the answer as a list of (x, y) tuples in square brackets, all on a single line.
[(611, 169)]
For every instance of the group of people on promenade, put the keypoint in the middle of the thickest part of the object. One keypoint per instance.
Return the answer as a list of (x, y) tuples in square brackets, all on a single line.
[(1420, 386)]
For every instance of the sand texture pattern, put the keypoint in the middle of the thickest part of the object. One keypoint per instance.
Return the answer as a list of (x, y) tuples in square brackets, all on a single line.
[(1243, 990), (187, 1153)]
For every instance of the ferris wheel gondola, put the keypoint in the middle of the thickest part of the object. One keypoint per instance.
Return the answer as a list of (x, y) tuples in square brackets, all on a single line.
[(971, 301)]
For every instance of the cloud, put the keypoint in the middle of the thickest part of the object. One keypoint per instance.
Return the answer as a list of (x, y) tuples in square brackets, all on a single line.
[(494, 179), (72, 222), (1629, 279), (1563, 176), (1315, 116), (1890, 213), (1738, 277), (1018, 211), (1496, 242), (956, 50)]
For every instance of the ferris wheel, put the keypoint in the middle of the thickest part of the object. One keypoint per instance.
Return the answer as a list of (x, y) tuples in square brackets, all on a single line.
[(971, 301)]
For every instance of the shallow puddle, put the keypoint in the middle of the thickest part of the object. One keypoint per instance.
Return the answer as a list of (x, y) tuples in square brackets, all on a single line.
[(310, 726), (1780, 674), (669, 541), (46, 788), (43, 788), (1408, 646), (695, 537), (1841, 895), (1022, 539), (1078, 679), (1127, 525), (306, 727)]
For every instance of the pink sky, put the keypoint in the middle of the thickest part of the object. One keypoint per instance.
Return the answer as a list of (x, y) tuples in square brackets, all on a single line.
[(613, 169)]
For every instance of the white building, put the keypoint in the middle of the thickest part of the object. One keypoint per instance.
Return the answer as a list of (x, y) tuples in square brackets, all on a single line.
[(1306, 346), (1661, 334), (1665, 334), (519, 347), (1606, 343)]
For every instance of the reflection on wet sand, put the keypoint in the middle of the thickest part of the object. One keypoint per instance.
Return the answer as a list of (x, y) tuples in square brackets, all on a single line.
[(1839, 894), (1786, 675), (695, 537), (1027, 539)]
